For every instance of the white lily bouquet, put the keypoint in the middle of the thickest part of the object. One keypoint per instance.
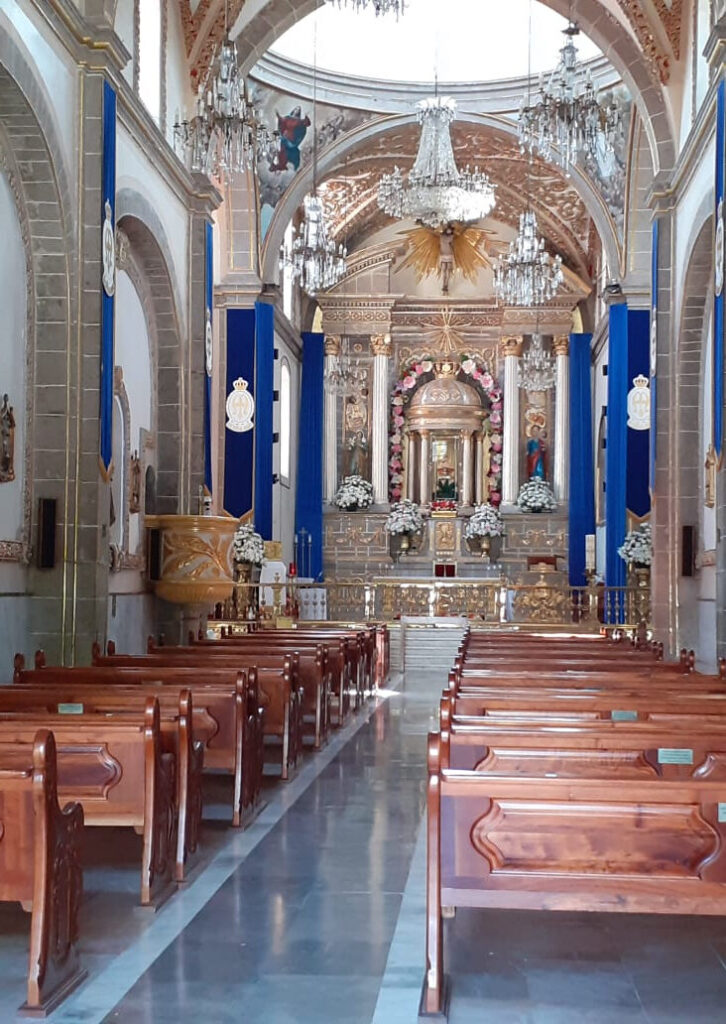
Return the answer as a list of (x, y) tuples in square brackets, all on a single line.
[(404, 517), (248, 546), (536, 496), (638, 546), (354, 494), (485, 521)]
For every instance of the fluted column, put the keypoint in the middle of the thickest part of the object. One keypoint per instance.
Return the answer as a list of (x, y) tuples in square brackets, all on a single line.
[(561, 347), (424, 460), (381, 346), (467, 460), (512, 350), (479, 469), (330, 416), (411, 465)]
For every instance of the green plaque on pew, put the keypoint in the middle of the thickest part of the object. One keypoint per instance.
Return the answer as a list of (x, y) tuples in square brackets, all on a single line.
[(721, 813), (675, 755), (70, 709), (624, 716)]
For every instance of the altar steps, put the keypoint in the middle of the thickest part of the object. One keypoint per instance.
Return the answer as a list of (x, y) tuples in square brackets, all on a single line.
[(430, 648)]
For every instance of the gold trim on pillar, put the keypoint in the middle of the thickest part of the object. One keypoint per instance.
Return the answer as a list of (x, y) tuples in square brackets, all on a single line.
[(561, 345), (332, 344), (512, 346), (381, 344)]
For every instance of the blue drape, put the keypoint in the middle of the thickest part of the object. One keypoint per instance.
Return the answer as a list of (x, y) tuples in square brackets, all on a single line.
[(582, 474), (638, 492), (264, 397), (617, 444), (309, 502), (209, 307), (653, 353), (108, 195), (239, 448), (718, 303)]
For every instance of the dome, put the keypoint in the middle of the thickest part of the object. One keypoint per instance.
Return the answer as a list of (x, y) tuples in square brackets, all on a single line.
[(445, 391)]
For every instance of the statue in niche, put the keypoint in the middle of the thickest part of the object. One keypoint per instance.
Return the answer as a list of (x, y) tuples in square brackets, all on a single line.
[(536, 454), (7, 442), (356, 428), (135, 484)]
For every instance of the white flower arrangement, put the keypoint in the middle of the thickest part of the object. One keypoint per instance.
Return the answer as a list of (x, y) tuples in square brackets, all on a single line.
[(404, 517), (248, 546), (354, 493), (536, 496), (485, 521), (638, 546)]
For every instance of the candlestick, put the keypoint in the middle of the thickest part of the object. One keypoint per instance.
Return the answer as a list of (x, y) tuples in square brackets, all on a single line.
[(590, 551)]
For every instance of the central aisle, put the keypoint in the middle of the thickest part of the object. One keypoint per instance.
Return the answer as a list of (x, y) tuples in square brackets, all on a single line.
[(301, 931)]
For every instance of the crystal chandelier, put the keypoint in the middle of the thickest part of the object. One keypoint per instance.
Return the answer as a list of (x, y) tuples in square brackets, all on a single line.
[(537, 368), (527, 275), (314, 260), (379, 6), (566, 122), (344, 377), (436, 192), (225, 136)]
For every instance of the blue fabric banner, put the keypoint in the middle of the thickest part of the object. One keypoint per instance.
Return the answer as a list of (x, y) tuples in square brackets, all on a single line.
[(718, 302), (239, 444), (617, 444), (108, 282), (264, 399), (638, 490), (209, 307), (309, 501), (582, 467), (653, 352)]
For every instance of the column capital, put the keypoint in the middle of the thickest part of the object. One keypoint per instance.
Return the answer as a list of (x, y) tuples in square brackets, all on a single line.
[(511, 346), (332, 344), (561, 345), (381, 344)]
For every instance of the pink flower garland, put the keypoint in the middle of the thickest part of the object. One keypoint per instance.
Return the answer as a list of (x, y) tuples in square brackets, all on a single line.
[(402, 394)]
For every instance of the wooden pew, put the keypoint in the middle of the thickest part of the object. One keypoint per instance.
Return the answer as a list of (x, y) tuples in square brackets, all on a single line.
[(40, 867), (278, 691), (529, 842), (114, 766), (176, 723), (227, 716)]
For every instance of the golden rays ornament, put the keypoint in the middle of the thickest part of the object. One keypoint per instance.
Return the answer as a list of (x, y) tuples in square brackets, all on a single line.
[(445, 250)]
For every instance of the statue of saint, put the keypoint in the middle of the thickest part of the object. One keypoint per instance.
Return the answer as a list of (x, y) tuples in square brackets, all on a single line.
[(135, 484), (7, 442), (536, 455), (356, 427)]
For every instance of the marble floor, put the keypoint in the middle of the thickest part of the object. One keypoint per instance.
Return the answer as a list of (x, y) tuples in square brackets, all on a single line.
[(315, 915)]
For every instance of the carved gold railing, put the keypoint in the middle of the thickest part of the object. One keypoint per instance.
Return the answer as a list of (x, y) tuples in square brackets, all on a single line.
[(496, 602)]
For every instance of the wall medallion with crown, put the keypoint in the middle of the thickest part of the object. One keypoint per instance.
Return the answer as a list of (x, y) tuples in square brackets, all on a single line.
[(108, 251), (639, 404), (240, 407)]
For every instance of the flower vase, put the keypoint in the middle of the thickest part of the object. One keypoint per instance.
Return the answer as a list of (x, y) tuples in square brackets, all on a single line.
[(405, 543), (486, 546)]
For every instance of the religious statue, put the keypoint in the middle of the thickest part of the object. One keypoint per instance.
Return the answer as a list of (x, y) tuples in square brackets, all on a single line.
[(292, 128), (445, 250), (7, 442), (356, 428), (536, 454), (135, 484)]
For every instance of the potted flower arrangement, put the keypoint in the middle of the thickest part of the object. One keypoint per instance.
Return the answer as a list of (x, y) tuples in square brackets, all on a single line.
[(403, 523), (485, 523), (637, 550), (536, 496), (354, 494), (248, 549)]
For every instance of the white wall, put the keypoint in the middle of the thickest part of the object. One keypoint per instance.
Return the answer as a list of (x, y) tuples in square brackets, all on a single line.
[(13, 342), (124, 28), (179, 97)]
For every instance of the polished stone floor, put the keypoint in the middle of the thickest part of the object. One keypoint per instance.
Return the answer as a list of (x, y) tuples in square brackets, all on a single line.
[(315, 915)]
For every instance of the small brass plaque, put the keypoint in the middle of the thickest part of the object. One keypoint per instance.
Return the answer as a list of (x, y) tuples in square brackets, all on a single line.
[(675, 755), (624, 716), (70, 709)]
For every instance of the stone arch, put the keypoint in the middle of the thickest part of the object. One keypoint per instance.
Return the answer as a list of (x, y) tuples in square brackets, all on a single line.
[(261, 23), (33, 164), (697, 295), (335, 155), (149, 270)]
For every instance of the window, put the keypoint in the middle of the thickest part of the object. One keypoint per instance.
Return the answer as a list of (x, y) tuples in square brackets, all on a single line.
[(149, 55), (285, 421)]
